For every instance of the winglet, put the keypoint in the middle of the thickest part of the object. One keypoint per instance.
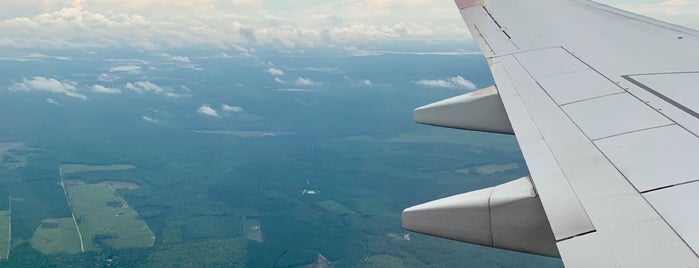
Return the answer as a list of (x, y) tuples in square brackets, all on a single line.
[(468, 3)]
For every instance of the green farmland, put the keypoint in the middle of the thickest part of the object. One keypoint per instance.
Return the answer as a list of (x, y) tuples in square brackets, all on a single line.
[(56, 236), (105, 219)]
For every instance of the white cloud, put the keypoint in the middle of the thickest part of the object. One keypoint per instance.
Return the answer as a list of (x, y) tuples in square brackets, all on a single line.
[(683, 12), (51, 101), (452, 82), (191, 66), (39, 83), (358, 52), (183, 59), (302, 81), (235, 25), (463, 83), (173, 95), (278, 80), (433, 83), (43, 56), (365, 82), (207, 111), (159, 24), (233, 109), (275, 71), (149, 119), (324, 69), (180, 59), (126, 69), (144, 86), (129, 61), (105, 90)]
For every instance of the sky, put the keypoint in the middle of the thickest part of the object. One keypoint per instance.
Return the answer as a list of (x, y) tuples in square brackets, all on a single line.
[(242, 25)]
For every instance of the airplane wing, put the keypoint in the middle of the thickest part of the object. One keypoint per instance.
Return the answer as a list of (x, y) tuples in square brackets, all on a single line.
[(604, 104)]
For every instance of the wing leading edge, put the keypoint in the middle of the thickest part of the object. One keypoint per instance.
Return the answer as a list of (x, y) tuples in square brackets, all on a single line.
[(604, 104)]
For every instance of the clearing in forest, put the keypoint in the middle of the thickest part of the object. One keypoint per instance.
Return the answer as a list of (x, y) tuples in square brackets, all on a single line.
[(56, 236), (105, 219)]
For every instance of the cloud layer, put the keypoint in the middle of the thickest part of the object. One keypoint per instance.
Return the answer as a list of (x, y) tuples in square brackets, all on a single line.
[(156, 24), (452, 82), (241, 24)]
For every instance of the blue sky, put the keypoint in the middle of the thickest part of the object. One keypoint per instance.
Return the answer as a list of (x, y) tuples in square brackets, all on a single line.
[(242, 25)]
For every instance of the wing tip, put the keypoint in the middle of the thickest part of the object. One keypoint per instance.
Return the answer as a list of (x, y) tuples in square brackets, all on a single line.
[(461, 4)]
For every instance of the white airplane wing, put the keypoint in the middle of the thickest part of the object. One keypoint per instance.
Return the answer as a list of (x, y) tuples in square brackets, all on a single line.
[(605, 106)]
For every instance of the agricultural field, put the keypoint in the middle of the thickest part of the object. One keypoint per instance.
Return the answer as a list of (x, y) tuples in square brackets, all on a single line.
[(13, 155), (105, 219), (55, 236)]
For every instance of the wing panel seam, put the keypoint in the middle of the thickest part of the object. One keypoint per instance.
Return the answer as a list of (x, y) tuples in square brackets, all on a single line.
[(659, 216), (669, 186), (550, 152), (662, 96), (633, 131)]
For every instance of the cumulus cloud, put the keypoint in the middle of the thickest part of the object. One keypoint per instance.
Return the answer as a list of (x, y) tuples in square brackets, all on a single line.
[(324, 69), (39, 83), (358, 52), (232, 109), (302, 81), (105, 90), (149, 119), (51, 101), (144, 86), (433, 83), (452, 82), (463, 83), (160, 24), (126, 69), (173, 95), (44, 56), (180, 59), (206, 110), (279, 80), (183, 59), (365, 82), (275, 71)]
